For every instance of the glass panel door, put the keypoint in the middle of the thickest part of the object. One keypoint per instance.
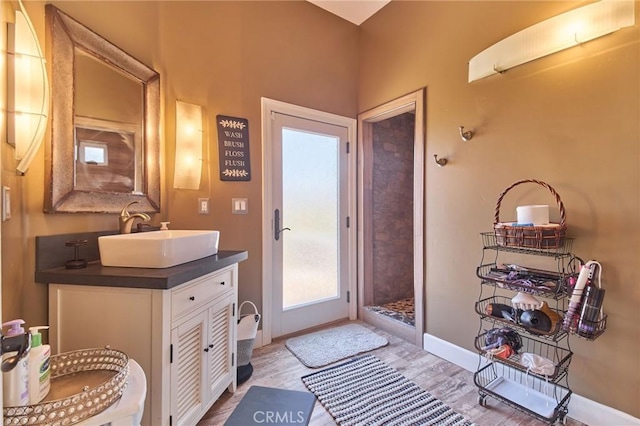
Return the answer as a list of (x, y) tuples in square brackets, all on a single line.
[(310, 198), (310, 277)]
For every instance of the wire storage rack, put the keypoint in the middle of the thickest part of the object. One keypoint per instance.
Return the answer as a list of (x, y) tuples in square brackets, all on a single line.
[(504, 376), (523, 339)]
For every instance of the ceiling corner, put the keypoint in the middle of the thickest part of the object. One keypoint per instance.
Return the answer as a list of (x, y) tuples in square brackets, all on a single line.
[(354, 11)]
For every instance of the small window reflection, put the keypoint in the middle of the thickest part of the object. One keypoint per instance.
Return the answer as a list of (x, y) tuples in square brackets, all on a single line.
[(94, 153)]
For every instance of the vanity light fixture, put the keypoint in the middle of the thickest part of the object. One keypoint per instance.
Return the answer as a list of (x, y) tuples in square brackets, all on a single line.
[(188, 164), (27, 90), (553, 35)]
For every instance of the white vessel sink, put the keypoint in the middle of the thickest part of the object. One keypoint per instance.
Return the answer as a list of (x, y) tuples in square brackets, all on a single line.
[(157, 249)]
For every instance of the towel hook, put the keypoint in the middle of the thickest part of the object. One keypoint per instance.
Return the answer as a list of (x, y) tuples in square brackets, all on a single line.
[(440, 161), (466, 136)]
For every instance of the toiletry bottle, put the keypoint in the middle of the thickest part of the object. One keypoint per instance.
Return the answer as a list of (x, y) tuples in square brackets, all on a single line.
[(15, 383), (39, 367), (570, 322)]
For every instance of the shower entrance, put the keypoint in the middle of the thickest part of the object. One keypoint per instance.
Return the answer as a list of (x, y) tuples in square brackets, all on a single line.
[(391, 217)]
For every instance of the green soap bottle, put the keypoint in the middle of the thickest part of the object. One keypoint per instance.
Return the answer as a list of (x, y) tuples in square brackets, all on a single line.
[(39, 366)]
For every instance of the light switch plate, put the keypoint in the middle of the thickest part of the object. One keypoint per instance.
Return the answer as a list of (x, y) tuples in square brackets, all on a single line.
[(239, 205), (6, 203)]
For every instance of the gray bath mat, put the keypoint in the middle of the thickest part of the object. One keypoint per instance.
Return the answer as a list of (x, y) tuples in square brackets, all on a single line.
[(275, 407), (328, 346)]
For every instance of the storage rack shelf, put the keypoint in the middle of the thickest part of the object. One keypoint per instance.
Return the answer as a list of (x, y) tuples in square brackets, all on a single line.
[(591, 330), (537, 282), (560, 356), (490, 241), (481, 310), (544, 400), (545, 397)]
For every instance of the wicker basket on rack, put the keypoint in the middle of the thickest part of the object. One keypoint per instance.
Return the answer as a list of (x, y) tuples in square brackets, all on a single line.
[(550, 236)]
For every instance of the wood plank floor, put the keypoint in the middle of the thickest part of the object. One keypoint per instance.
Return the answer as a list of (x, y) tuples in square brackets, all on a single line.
[(275, 366)]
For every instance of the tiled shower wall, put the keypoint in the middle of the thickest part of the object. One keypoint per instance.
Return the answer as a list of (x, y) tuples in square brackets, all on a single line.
[(393, 209)]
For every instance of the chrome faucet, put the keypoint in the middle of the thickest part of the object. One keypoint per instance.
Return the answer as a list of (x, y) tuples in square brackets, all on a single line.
[(126, 218)]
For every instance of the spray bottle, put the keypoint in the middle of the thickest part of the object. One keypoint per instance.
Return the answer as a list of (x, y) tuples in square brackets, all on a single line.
[(15, 365), (39, 367)]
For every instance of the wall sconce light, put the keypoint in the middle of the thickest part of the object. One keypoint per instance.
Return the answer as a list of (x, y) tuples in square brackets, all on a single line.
[(27, 90), (553, 35), (188, 164)]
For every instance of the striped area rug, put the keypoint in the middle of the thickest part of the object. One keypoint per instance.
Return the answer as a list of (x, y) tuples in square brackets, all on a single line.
[(366, 391)]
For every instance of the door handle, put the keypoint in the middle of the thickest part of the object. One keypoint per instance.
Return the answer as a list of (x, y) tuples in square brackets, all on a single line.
[(276, 225)]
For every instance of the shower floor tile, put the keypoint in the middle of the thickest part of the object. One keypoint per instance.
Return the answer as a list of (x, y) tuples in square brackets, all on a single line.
[(401, 310)]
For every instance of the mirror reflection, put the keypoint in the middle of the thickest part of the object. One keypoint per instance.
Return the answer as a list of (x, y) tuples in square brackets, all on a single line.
[(106, 156), (106, 108), (109, 109)]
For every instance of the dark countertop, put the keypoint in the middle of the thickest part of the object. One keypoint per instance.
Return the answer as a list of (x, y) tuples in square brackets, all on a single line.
[(151, 278)]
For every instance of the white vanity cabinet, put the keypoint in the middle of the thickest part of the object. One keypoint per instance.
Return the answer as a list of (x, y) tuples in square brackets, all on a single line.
[(184, 337), (203, 345)]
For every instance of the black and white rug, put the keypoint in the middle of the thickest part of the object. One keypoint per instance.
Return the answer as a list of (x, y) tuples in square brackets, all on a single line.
[(325, 347), (366, 391)]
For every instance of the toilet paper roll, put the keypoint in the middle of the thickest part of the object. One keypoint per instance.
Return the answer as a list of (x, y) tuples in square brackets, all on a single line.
[(538, 215)]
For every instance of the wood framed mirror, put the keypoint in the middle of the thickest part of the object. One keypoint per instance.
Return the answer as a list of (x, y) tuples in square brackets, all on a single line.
[(105, 148)]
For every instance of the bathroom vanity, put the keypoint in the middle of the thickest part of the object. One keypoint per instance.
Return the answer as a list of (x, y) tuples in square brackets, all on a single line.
[(178, 323)]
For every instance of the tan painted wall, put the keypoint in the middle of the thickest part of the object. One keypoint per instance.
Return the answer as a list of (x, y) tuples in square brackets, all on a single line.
[(224, 56), (239, 52), (570, 119)]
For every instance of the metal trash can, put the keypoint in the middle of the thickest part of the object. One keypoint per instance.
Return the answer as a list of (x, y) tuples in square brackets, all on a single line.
[(247, 331)]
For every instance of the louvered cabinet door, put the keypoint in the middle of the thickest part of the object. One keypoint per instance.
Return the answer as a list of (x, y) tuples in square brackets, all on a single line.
[(221, 345), (188, 385)]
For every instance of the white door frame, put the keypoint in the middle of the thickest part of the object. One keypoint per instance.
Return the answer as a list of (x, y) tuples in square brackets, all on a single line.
[(270, 106), (410, 102)]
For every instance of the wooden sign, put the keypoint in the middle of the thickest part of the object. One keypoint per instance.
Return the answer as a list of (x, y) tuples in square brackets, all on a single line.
[(233, 148)]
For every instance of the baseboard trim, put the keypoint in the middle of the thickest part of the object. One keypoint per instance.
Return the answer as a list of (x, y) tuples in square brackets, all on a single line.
[(580, 408), (258, 343)]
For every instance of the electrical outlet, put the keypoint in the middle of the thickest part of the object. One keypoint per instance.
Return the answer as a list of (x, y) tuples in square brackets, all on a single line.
[(203, 205)]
